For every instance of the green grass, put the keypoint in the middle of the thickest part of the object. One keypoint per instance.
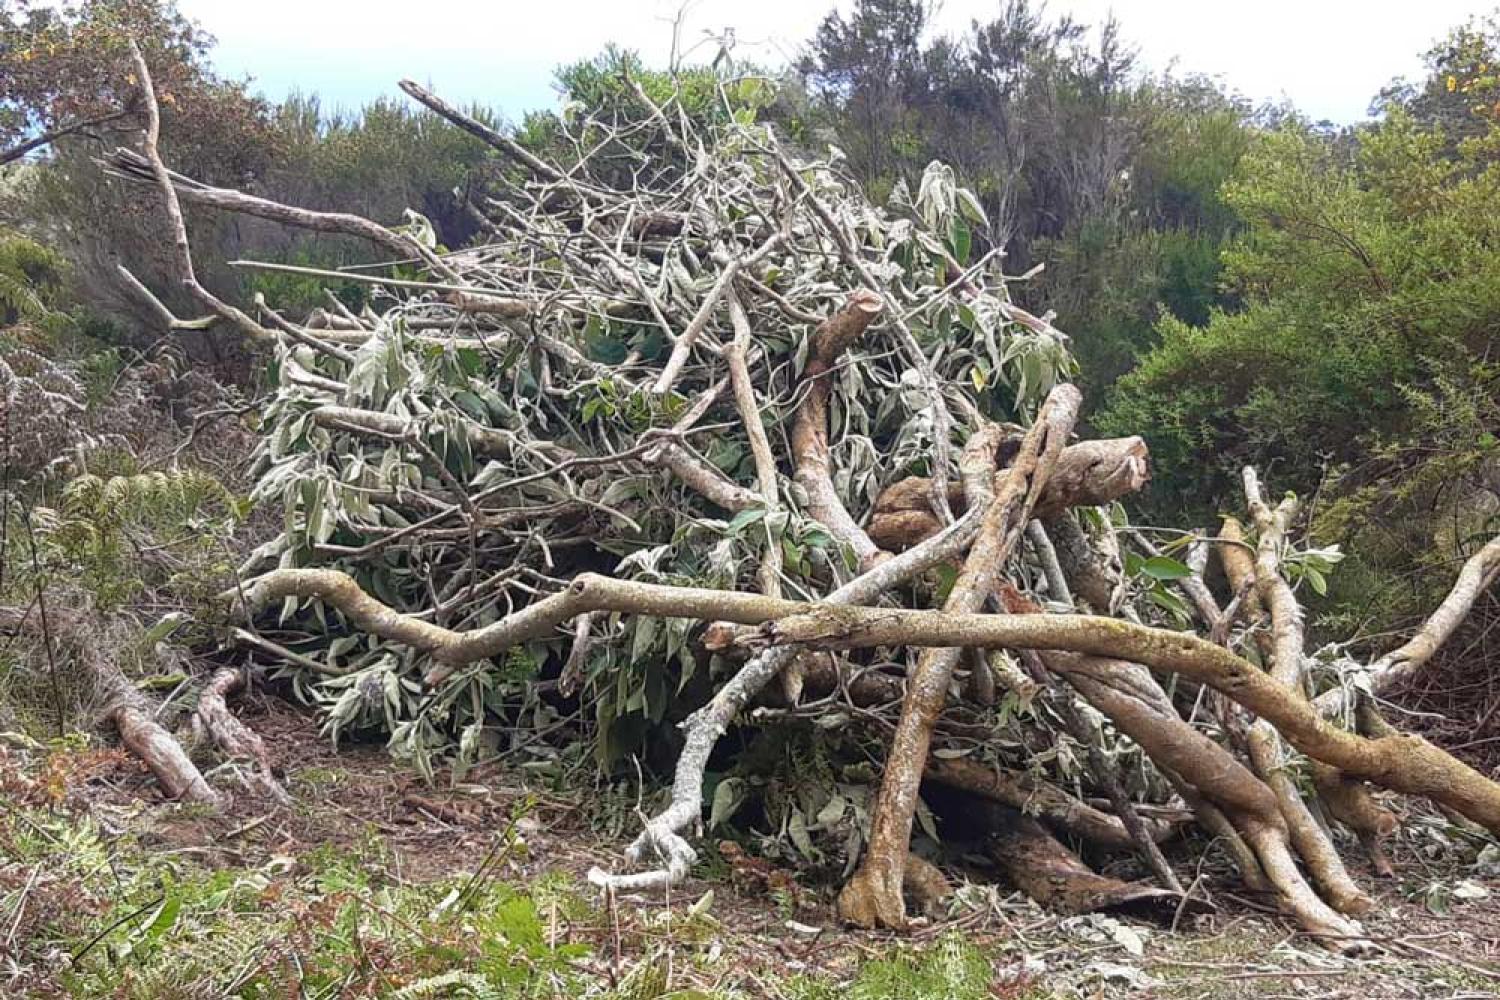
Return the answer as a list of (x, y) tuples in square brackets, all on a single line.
[(89, 914)]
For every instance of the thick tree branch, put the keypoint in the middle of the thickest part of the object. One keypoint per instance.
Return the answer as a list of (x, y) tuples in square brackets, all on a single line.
[(1088, 474), (810, 426), (873, 896)]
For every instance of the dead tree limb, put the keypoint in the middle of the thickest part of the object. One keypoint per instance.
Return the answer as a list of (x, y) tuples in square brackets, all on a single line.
[(1052, 804), (213, 721), (176, 226)]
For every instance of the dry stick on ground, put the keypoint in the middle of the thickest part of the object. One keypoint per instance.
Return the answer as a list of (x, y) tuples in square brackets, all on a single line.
[(130, 711), (873, 896), (1266, 751)]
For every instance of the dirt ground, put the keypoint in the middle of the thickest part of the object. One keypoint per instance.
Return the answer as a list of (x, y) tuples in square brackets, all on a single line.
[(1437, 924)]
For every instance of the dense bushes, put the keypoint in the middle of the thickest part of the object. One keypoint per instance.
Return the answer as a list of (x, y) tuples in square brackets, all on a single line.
[(1360, 362)]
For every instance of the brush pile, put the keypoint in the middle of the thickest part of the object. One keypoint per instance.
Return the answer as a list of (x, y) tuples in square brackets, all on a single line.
[(701, 457)]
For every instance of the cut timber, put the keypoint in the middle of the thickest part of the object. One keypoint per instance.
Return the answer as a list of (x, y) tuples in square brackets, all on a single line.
[(1088, 474), (1037, 864)]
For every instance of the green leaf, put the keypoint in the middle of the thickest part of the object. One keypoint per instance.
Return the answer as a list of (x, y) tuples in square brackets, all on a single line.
[(728, 797), (796, 829), (969, 205), (1162, 568), (961, 239), (744, 519), (1167, 601), (947, 577), (166, 916), (645, 635)]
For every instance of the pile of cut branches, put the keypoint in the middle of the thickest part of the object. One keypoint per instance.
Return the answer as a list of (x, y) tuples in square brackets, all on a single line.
[(700, 438)]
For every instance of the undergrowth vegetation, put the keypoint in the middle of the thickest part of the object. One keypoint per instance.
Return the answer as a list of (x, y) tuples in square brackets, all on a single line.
[(87, 911)]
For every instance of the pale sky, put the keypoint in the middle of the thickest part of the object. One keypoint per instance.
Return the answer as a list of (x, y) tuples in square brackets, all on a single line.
[(1329, 57)]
